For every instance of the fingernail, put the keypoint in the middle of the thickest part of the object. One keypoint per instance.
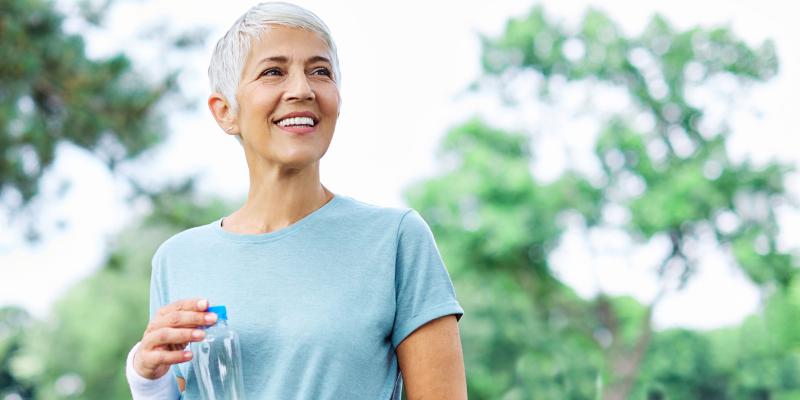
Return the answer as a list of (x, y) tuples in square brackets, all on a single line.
[(197, 334), (202, 304), (211, 317)]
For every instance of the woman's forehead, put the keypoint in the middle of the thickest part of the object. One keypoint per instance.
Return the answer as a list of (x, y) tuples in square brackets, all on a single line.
[(280, 40)]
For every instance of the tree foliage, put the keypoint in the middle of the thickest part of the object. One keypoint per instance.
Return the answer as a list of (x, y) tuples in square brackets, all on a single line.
[(79, 350), (52, 93), (673, 178)]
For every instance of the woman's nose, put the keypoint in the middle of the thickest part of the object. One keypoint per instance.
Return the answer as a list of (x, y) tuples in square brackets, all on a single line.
[(298, 88)]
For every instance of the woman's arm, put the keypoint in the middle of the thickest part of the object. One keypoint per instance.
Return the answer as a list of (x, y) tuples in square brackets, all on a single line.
[(432, 362)]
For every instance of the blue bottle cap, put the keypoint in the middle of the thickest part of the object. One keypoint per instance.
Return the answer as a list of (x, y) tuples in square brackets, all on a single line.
[(221, 312)]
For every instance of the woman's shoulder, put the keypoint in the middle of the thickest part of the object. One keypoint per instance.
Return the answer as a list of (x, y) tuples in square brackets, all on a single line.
[(404, 221), (352, 207), (189, 239)]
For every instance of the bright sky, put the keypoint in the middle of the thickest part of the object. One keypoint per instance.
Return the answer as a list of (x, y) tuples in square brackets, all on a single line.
[(403, 64)]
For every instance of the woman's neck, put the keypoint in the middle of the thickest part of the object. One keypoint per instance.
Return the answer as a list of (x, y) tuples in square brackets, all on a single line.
[(278, 200)]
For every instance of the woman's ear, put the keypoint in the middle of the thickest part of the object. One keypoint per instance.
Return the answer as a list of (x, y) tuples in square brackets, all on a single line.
[(222, 112)]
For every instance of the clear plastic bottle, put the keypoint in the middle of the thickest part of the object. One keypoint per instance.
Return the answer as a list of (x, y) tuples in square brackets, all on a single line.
[(217, 360)]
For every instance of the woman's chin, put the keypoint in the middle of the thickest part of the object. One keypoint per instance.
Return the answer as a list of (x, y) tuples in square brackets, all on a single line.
[(295, 158), (298, 161)]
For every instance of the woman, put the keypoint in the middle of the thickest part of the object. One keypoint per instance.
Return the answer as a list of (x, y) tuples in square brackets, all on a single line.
[(332, 298)]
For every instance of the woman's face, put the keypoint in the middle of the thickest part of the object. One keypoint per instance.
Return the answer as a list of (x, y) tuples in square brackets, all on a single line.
[(288, 71)]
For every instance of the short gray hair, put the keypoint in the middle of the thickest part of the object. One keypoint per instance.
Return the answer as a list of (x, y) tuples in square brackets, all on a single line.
[(227, 62)]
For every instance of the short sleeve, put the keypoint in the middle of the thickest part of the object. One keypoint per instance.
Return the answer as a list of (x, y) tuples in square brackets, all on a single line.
[(423, 288)]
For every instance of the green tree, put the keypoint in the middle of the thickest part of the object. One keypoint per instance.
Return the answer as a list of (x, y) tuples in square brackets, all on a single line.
[(14, 323), (79, 350), (680, 364), (528, 331), (494, 218), (53, 94)]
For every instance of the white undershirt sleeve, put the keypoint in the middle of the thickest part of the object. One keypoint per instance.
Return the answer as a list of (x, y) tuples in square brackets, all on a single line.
[(163, 388)]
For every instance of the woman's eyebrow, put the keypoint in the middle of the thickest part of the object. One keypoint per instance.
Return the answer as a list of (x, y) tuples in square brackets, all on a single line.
[(284, 60), (318, 59)]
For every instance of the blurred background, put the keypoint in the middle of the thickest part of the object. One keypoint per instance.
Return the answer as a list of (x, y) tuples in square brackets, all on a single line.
[(612, 184)]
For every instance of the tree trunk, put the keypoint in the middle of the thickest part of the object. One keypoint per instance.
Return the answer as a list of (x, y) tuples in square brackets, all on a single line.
[(625, 364)]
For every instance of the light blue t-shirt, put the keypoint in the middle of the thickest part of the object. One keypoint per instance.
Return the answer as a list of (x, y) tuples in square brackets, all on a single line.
[(320, 305)]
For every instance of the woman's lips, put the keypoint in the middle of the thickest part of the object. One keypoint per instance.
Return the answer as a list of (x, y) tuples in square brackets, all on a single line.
[(298, 129)]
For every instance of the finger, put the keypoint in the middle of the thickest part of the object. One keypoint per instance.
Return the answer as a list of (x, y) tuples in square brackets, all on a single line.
[(175, 347), (185, 305), (171, 336), (182, 319), (154, 358)]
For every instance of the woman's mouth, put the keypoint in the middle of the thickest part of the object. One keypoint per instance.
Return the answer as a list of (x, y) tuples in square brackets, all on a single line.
[(297, 125)]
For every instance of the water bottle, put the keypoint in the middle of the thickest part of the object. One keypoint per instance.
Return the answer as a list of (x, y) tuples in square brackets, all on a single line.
[(217, 360)]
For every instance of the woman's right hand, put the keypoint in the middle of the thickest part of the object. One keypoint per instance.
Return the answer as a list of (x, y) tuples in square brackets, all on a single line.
[(165, 339)]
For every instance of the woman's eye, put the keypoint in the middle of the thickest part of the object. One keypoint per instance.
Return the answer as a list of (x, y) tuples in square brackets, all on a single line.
[(324, 71), (271, 72)]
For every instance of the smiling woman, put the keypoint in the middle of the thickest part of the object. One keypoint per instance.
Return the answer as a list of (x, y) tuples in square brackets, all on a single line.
[(333, 298)]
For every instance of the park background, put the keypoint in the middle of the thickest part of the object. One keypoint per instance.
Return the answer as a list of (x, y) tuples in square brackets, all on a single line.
[(613, 191)]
